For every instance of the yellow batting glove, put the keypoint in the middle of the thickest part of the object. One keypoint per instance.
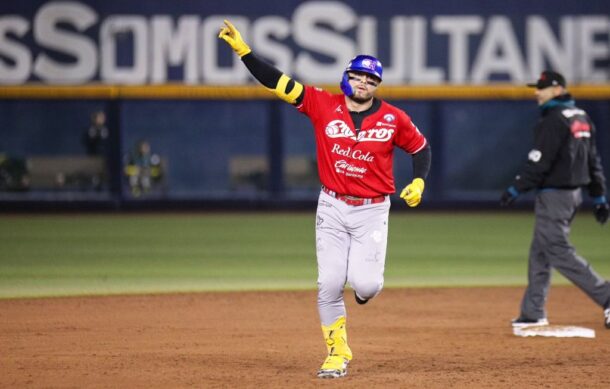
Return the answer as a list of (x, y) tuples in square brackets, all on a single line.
[(230, 35), (412, 193)]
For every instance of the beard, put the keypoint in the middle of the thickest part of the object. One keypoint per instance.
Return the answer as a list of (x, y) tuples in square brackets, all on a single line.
[(361, 100)]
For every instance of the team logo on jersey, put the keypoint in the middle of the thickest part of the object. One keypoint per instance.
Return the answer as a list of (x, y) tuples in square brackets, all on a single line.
[(339, 129), (580, 129), (579, 125), (534, 155), (388, 117)]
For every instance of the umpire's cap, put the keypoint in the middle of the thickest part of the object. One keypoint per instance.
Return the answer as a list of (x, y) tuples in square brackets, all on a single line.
[(549, 78)]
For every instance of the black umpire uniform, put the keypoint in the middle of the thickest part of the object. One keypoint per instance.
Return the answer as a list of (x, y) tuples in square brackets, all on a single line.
[(564, 159)]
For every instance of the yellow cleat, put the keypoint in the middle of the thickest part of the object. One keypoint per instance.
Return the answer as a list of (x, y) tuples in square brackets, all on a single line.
[(335, 366), (339, 353)]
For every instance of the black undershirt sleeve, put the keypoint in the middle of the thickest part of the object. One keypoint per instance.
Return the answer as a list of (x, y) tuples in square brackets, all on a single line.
[(267, 74), (421, 162)]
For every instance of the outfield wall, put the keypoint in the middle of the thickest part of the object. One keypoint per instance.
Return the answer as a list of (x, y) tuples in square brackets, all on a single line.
[(262, 148), (159, 72)]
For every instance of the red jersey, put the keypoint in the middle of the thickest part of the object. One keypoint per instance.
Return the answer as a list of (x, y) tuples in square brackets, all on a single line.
[(358, 163)]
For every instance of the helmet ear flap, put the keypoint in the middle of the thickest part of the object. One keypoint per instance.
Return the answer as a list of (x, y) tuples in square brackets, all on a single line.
[(345, 86)]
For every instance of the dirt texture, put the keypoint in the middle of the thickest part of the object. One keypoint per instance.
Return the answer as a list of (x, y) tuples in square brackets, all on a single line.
[(405, 338)]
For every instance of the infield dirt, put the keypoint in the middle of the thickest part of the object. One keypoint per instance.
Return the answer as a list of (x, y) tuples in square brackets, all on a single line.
[(415, 338)]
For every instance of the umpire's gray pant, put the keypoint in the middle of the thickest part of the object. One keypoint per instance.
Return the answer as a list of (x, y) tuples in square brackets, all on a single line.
[(551, 248)]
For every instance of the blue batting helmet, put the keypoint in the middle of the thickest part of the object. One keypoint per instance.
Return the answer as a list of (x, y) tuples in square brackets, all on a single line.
[(361, 63)]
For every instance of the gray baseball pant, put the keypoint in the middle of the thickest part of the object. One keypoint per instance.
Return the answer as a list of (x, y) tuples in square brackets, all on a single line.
[(550, 248), (351, 246)]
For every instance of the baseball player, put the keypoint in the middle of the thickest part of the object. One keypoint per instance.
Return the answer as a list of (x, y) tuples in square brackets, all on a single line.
[(355, 137), (563, 160)]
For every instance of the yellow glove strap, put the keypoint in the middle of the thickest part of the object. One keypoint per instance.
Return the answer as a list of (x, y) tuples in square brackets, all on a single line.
[(288, 96), (231, 35)]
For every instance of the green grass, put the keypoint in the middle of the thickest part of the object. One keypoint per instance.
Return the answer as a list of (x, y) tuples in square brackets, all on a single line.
[(97, 254)]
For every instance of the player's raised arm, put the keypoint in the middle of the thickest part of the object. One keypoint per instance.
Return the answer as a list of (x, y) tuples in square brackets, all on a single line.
[(270, 77)]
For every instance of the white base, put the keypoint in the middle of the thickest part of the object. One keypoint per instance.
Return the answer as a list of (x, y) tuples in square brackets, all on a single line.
[(555, 331)]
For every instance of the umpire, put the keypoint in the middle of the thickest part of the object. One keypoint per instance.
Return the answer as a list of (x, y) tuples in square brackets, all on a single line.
[(564, 159)]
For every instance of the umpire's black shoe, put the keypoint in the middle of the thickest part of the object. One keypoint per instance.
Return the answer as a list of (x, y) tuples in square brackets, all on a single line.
[(607, 318), (523, 321), (359, 300)]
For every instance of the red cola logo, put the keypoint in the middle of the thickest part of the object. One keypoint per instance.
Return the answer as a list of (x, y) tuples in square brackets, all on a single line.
[(355, 154)]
